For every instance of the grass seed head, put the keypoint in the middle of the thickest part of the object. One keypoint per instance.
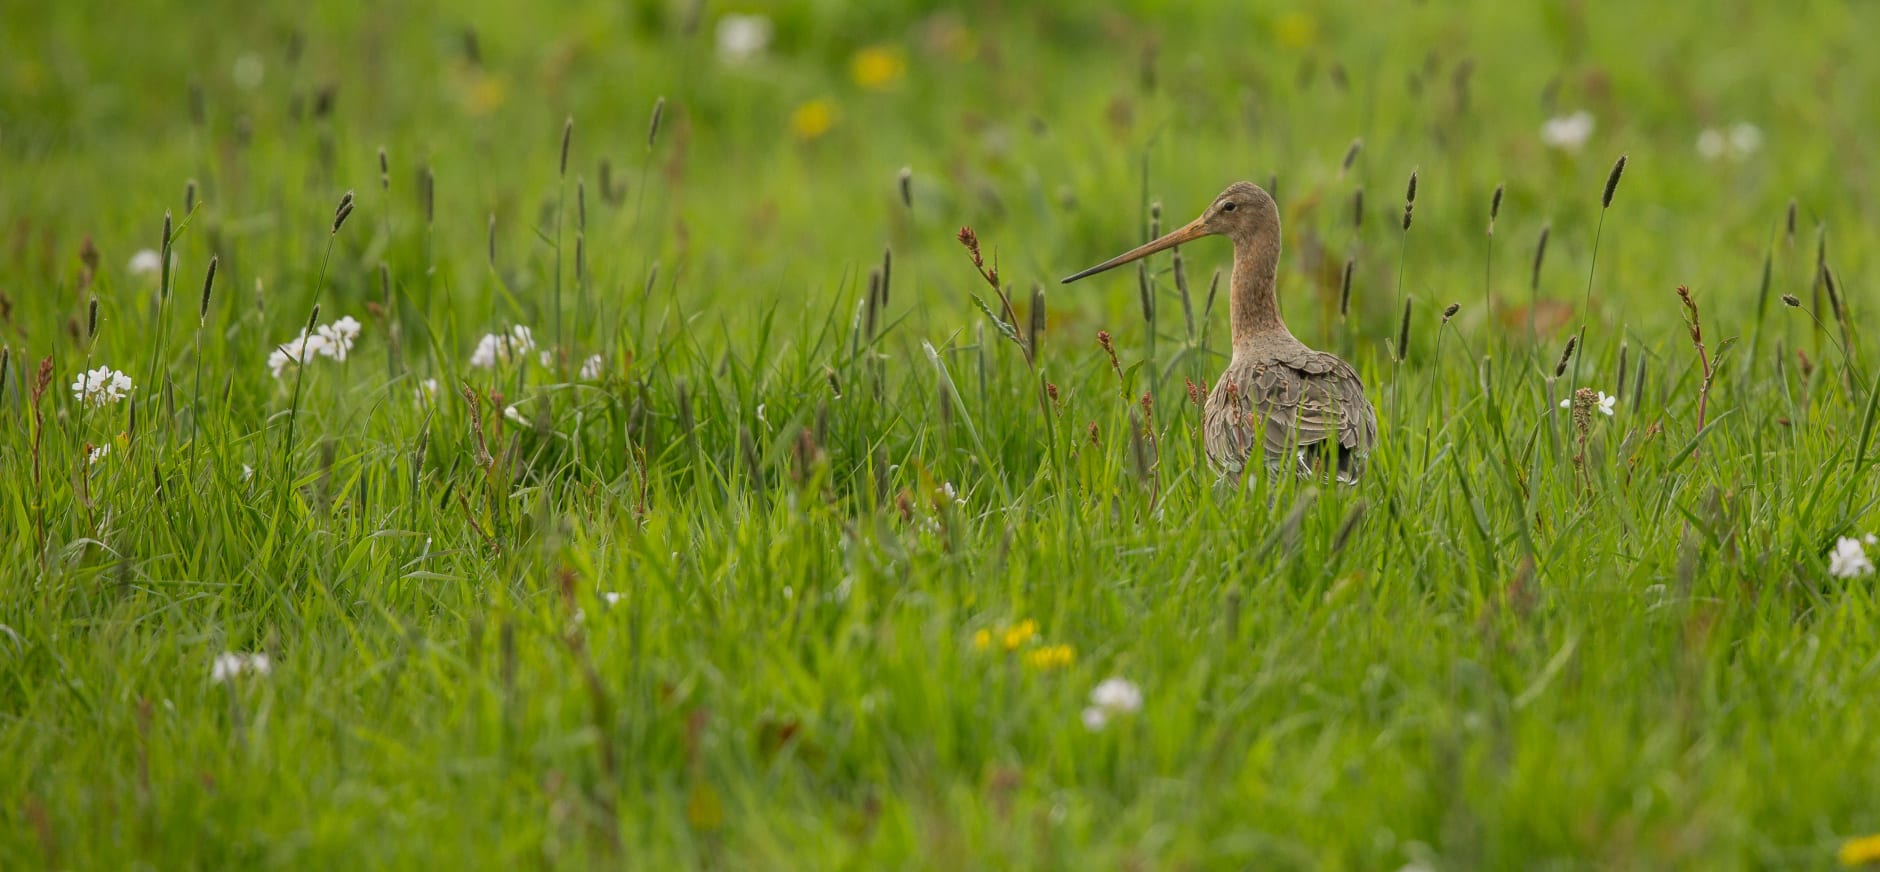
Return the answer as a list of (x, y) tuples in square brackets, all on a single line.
[(1351, 154), (91, 318), (341, 212), (1344, 288), (1612, 182), (1566, 355), (1450, 311), (905, 181), (1403, 331), (208, 285), (652, 128), (567, 139), (1540, 254), (1494, 207), (1584, 399), (887, 273), (1034, 335)]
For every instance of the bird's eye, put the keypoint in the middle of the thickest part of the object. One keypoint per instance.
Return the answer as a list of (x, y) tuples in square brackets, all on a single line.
[(1228, 206)]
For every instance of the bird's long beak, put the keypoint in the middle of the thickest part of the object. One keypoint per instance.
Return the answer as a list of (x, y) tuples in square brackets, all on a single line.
[(1188, 233)]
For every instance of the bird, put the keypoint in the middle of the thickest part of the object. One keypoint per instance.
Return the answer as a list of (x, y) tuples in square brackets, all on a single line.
[(1299, 407)]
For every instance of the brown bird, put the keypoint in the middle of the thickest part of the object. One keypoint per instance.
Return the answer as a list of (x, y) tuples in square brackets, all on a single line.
[(1302, 408)]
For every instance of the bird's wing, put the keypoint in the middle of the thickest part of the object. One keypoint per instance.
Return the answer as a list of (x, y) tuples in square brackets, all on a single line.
[(1296, 401)]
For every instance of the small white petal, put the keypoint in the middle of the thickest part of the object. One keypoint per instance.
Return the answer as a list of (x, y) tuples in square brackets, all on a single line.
[(1745, 139), (742, 37), (1095, 718), (1849, 559), (1117, 696), (146, 263)]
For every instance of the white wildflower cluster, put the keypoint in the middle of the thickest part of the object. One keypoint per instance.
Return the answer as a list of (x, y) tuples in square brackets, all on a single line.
[(1849, 558), (1568, 132), (592, 368), (1740, 141), (1114, 698), (231, 665), (146, 262), (1606, 402), (742, 37), (333, 340), (96, 453), (499, 348), (101, 387)]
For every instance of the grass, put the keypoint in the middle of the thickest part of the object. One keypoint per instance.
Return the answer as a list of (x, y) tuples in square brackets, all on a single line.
[(720, 605)]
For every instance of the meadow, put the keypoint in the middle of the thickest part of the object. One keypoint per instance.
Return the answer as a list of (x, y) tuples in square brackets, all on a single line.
[(452, 435)]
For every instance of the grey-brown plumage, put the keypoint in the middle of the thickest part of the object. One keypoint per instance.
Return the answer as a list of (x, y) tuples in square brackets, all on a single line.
[(1304, 410)]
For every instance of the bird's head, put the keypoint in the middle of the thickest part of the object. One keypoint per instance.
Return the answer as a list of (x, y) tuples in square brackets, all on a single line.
[(1244, 212)]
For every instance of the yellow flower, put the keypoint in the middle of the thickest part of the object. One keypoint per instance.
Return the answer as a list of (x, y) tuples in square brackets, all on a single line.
[(1861, 851), (485, 94), (813, 119), (982, 640), (877, 67), (1019, 635), (1296, 30), (1048, 657)]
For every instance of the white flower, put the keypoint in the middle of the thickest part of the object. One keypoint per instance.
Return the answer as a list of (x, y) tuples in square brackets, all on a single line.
[(426, 390), (610, 597), (498, 348), (592, 367), (248, 71), (101, 386), (98, 452), (1849, 559), (946, 487), (1745, 138), (233, 664), (146, 263), (547, 358), (248, 472), (295, 351), (742, 37), (1870, 538), (1606, 402), (1113, 698), (1740, 141), (514, 413), (339, 337), (1568, 132)]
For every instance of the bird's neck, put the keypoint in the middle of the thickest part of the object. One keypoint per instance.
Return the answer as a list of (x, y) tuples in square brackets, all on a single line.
[(1252, 304)]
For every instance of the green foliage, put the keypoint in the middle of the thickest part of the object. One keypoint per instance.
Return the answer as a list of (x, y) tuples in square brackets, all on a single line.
[(718, 600)]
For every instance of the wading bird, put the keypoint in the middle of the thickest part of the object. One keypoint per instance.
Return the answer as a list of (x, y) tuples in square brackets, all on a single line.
[(1299, 407)]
